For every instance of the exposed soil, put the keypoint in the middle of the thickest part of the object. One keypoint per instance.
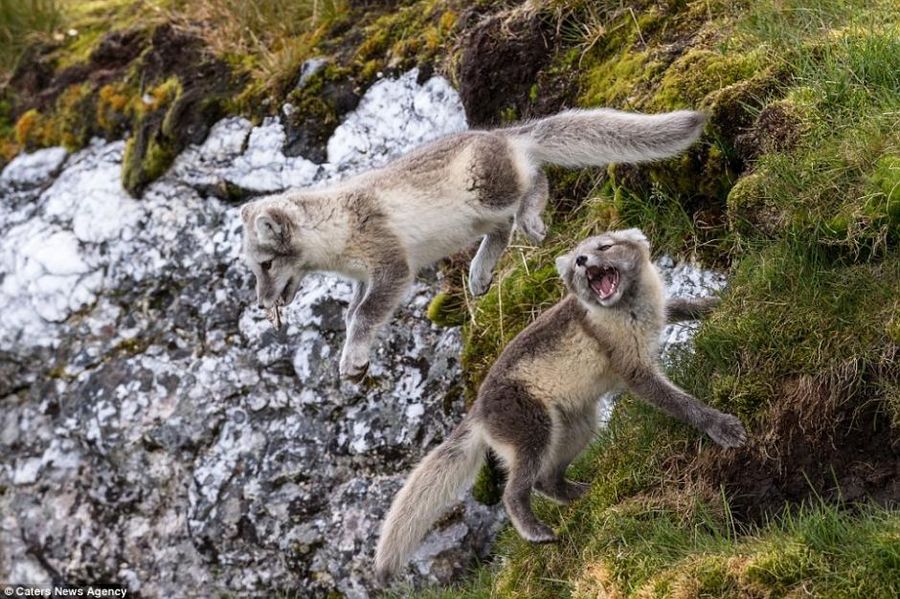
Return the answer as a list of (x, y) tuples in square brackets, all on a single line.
[(308, 128), (206, 84), (33, 74), (777, 129), (34, 84), (500, 62), (822, 440)]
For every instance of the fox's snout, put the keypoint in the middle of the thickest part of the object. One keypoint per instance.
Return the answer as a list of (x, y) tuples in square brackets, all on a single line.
[(266, 294)]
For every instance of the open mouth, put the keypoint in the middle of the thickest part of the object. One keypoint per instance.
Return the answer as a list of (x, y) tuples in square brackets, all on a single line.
[(286, 295), (273, 314), (604, 280)]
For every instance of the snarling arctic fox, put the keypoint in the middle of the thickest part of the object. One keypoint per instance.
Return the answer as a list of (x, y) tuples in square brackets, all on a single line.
[(537, 407)]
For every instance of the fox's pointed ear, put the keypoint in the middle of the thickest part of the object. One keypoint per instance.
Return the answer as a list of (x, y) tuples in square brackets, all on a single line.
[(635, 235), (269, 231), (564, 266), (245, 213)]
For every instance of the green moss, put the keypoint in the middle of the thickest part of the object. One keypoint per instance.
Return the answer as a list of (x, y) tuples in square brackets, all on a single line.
[(410, 35), (378, 41), (132, 346), (509, 115), (317, 102), (115, 106), (160, 96), (75, 110), (131, 164), (154, 142), (488, 486), (147, 156), (32, 130), (370, 69), (886, 205), (158, 159), (447, 310), (615, 80), (699, 72), (749, 210), (887, 177)]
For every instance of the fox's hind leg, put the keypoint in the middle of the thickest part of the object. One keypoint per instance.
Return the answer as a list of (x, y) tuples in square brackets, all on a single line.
[(481, 271), (528, 217), (552, 480), (518, 429), (523, 473)]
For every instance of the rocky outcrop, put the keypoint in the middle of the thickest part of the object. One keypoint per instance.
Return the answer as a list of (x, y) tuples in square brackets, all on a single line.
[(155, 431)]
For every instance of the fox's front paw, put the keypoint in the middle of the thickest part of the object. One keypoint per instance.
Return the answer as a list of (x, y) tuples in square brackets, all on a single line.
[(708, 304), (727, 431), (354, 364), (480, 282)]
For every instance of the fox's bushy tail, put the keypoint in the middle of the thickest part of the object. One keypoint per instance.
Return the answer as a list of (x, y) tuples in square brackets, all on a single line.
[(427, 493), (579, 138)]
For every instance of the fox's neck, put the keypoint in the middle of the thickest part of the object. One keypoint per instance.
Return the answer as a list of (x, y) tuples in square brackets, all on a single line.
[(322, 230)]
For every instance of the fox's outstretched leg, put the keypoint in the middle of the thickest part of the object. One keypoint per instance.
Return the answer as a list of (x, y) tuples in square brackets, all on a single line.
[(481, 271), (528, 217), (359, 292), (388, 283), (648, 383)]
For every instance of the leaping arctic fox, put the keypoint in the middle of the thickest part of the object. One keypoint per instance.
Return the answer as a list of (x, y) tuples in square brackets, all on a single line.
[(537, 406), (379, 228)]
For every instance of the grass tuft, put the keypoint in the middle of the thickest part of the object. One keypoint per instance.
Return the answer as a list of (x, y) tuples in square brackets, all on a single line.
[(23, 22)]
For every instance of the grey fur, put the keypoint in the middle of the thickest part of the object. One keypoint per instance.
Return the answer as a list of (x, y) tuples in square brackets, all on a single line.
[(578, 138), (689, 308), (537, 406), (381, 227)]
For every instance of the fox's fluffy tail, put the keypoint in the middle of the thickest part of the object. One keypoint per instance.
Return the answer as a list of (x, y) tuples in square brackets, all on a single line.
[(429, 490), (579, 138)]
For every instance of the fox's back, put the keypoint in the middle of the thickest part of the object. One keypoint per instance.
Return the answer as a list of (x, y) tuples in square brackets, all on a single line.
[(445, 195)]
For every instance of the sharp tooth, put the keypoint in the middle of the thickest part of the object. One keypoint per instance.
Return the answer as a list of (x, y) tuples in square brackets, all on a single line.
[(273, 315)]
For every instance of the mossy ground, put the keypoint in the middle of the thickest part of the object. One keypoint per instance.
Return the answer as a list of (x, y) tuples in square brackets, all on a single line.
[(794, 189)]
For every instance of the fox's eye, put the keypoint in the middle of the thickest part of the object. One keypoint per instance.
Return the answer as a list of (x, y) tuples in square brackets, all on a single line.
[(265, 266), (604, 247)]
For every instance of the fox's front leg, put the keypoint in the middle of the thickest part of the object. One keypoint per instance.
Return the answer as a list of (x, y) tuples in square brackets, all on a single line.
[(653, 387), (689, 308), (388, 283), (359, 292)]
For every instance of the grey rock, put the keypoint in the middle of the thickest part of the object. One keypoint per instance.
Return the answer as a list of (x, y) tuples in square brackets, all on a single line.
[(155, 430), (27, 171)]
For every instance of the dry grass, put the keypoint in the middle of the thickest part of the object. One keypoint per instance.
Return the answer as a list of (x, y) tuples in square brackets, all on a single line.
[(21, 22), (268, 38)]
